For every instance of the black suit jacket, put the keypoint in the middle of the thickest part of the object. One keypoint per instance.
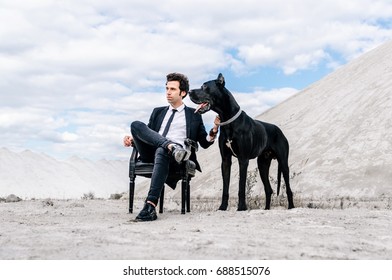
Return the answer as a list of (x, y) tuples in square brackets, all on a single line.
[(195, 129)]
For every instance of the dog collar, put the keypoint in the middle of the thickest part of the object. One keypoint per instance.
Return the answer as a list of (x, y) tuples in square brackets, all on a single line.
[(232, 119)]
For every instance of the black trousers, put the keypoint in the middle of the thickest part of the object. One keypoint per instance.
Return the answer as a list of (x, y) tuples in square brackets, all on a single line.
[(152, 147)]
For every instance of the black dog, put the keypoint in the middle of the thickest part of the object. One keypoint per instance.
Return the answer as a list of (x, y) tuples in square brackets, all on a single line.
[(244, 138)]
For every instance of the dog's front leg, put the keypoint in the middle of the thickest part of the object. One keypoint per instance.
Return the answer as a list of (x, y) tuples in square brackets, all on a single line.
[(243, 163), (226, 171)]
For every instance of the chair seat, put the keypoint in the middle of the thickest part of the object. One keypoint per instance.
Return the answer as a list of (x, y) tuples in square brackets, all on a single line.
[(145, 169)]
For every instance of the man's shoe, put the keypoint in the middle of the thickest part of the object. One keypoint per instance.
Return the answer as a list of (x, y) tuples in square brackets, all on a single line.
[(179, 153), (148, 213)]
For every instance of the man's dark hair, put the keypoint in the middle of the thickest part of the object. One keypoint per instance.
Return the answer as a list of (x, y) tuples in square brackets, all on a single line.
[(181, 78)]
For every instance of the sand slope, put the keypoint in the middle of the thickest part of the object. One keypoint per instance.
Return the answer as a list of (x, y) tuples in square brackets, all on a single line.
[(339, 130)]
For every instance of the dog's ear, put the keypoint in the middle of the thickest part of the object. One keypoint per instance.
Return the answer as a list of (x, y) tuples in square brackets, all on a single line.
[(221, 80)]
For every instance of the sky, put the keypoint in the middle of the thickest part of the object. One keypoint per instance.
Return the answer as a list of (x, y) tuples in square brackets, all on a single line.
[(74, 74)]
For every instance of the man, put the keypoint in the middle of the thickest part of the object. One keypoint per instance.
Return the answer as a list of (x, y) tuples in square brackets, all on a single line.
[(162, 140)]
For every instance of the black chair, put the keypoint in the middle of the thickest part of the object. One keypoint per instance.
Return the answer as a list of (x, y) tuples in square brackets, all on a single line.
[(184, 172)]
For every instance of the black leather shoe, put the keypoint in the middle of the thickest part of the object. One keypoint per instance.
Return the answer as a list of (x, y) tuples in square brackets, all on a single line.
[(148, 213), (179, 153)]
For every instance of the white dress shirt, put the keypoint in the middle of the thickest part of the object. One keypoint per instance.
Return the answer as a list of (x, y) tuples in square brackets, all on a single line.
[(177, 130)]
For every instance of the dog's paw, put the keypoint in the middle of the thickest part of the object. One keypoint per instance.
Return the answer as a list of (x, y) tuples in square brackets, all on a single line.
[(223, 207), (242, 207)]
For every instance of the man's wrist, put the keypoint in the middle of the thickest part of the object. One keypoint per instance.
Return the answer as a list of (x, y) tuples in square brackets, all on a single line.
[(213, 133)]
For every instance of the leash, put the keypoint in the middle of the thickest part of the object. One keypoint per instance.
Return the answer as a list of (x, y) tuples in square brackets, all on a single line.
[(232, 119)]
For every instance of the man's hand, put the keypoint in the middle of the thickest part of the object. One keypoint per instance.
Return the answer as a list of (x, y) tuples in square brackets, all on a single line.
[(214, 130), (216, 122), (128, 141)]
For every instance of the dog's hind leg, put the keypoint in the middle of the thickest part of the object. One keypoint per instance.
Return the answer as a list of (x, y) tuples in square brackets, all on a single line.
[(244, 163), (279, 179), (286, 176), (282, 155), (264, 164)]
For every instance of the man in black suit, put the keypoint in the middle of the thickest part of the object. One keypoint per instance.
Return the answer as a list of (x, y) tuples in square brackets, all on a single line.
[(162, 140)]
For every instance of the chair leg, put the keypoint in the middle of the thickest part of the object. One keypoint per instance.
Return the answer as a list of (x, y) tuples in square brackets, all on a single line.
[(161, 199), (183, 194), (188, 196), (131, 194)]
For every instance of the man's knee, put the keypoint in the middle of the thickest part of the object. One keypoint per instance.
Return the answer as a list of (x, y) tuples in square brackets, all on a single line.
[(136, 126)]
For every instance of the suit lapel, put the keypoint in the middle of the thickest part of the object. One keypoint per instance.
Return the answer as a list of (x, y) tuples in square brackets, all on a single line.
[(160, 118), (188, 121)]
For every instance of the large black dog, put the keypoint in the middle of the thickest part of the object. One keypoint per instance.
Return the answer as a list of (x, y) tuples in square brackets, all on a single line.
[(245, 138)]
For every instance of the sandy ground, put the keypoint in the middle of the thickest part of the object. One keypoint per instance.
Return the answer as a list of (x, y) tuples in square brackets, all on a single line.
[(102, 229)]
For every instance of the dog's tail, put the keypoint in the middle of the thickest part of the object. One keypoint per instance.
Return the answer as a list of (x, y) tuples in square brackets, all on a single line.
[(279, 177)]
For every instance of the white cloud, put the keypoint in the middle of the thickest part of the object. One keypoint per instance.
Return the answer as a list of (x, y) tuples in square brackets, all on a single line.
[(304, 61), (261, 100), (74, 74), (257, 54)]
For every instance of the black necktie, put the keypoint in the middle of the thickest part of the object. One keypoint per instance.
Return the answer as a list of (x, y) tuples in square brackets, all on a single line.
[(169, 123)]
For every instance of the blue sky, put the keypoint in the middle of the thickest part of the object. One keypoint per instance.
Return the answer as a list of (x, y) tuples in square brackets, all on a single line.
[(74, 74)]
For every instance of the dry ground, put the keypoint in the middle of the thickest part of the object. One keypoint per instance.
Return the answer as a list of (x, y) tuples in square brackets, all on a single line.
[(102, 229)]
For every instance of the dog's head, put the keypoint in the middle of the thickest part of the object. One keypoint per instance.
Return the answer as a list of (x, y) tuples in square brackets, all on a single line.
[(209, 95)]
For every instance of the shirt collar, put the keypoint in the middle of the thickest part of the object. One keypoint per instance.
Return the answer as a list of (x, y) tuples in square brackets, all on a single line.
[(179, 109)]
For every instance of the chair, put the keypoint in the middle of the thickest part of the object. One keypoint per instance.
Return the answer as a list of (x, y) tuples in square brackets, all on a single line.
[(184, 172)]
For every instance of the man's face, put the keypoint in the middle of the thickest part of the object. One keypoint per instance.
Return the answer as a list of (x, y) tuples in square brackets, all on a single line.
[(173, 93)]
